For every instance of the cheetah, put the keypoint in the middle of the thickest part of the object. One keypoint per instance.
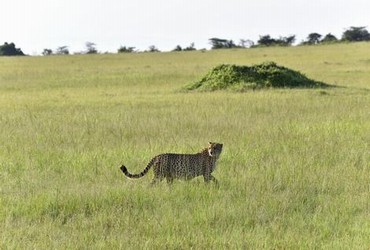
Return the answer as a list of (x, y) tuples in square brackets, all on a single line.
[(182, 166)]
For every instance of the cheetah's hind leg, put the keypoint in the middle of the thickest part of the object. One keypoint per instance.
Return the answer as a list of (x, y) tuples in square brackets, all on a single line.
[(208, 178), (169, 180), (156, 180)]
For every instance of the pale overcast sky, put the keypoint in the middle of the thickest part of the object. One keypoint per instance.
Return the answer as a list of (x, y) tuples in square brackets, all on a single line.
[(37, 24)]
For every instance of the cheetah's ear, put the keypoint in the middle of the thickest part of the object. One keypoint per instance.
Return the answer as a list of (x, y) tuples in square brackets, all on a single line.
[(210, 143)]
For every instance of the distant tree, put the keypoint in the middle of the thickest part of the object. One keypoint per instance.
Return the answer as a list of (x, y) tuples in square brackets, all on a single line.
[(152, 48), (267, 40), (91, 48), (63, 50), (356, 34), (218, 43), (286, 41), (329, 38), (47, 52), (9, 49), (190, 47), (124, 49), (313, 38), (177, 48), (230, 44), (245, 43)]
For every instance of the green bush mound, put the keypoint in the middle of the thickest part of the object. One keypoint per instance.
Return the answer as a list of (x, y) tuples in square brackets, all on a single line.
[(243, 78)]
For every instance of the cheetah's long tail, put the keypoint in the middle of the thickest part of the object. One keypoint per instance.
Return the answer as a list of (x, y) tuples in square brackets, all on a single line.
[(144, 172)]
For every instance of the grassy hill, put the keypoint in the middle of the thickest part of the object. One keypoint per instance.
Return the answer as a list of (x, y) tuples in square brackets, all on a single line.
[(294, 172)]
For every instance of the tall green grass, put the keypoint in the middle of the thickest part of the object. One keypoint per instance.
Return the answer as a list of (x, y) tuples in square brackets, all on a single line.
[(294, 172)]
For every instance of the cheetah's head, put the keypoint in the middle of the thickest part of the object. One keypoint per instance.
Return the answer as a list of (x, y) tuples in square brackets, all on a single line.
[(214, 149)]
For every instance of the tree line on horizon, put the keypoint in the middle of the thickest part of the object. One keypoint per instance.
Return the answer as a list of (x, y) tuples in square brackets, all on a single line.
[(353, 34)]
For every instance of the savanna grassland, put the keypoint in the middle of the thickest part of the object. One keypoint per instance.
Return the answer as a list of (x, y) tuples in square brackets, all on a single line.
[(294, 173)]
